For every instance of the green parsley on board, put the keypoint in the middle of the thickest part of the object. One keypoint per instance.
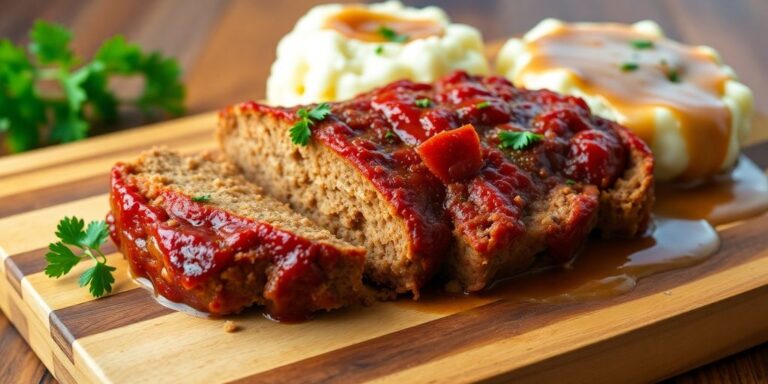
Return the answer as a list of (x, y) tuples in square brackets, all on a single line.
[(390, 35), (86, 241), (518, 140), (300, 132), (50, 95)]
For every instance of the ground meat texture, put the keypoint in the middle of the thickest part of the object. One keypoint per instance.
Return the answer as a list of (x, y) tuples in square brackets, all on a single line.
[(374, 175), (206, 237)]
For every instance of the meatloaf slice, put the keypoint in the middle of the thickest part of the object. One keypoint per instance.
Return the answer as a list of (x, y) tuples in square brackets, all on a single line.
[(514, 175), (205, 236), (385, 200)]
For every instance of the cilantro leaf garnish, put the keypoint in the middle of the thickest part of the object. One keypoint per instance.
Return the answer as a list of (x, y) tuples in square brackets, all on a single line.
[(518, 140), (201, 198), (423, 103), (61, 258), (379, 49), (642, 44), (483, 104), (673, 75), (629, 66), (32, 116), (390, 35), (301, 131)]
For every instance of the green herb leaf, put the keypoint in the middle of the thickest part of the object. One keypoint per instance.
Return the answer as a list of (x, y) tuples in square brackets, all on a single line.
[(31, 118), (99, 279), (379, 49), (673, 75), (389, 135), (201, 198), (629, 66), (319, 112), (50, 43), (642, 44), (60, 260), (300, 132), (70, 231), (390, 35), (423, 103), (483, 104), (518, 140), (96, 234), (570, 182)]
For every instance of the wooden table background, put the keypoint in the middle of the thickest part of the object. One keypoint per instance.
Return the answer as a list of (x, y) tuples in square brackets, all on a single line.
[(226, 48)]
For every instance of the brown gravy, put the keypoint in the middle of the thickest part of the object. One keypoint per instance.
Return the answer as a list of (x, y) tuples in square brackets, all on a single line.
[(605, 268), (363, 24), (635, 81), (741, 194)]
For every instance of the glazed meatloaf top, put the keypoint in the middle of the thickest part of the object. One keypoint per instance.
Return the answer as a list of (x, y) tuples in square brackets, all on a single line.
[(205, 236), (510, 172)]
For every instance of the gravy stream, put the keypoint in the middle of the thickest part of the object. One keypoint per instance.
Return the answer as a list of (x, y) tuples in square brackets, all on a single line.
[(363, 24), (728, 198), (605, 268)]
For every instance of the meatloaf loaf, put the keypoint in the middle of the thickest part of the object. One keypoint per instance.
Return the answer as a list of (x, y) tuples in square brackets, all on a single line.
[(205, 236), (469, 173)]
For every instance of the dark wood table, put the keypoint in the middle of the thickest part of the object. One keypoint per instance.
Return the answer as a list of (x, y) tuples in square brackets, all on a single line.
[(226, 48)]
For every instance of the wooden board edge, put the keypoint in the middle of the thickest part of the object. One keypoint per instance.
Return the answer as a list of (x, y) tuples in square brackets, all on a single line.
[(37, 336)]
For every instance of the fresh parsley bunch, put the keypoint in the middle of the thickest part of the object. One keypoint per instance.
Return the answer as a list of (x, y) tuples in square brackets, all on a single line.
[(72, 233), (31, 116)]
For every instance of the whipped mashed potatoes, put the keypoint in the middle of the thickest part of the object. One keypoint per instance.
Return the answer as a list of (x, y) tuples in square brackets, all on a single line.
[(682, 100), (338, 51)]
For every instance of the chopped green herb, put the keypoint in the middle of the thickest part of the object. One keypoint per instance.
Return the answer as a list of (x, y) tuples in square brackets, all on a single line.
[(389, 135), (570, 181), (642, 44), (518, 140), (673, 75), (301, 132), (379, 49), (629, 66), (423, 103), (390, 35), (72, 232), (202, 198), (483, 104)]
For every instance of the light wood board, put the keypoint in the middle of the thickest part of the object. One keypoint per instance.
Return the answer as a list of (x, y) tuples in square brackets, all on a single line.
[(670, 323)]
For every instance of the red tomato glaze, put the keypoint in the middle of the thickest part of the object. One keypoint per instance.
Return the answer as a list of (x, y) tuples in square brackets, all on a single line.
[(179, 245)]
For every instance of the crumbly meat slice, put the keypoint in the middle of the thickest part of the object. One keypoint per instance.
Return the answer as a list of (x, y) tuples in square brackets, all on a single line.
[(520, 203), (403, 229), (207, 237)]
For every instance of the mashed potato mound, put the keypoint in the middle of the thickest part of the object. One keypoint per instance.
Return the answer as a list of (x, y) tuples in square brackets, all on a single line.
[(317, 63), (676, 154)]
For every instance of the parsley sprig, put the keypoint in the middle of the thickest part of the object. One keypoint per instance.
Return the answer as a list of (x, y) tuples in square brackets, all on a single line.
[(201, 198), (47, 95), (301, 132), (390, 35), (72, 233), (518, 140)]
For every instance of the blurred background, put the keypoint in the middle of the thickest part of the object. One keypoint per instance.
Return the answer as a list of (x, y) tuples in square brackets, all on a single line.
[(225, 47)]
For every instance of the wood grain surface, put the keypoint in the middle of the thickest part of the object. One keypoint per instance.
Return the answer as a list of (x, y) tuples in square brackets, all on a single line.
[(226, 48)]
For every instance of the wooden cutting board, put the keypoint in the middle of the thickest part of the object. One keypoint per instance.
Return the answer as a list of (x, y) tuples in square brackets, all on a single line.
[(670, 323)]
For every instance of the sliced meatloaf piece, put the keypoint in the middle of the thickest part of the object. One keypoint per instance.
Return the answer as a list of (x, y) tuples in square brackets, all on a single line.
[(384, 200), (515, 175), (205, 236)]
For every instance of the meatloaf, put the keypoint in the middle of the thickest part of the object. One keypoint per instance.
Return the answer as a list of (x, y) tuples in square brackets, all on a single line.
[(206, 237), (469, 173)]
